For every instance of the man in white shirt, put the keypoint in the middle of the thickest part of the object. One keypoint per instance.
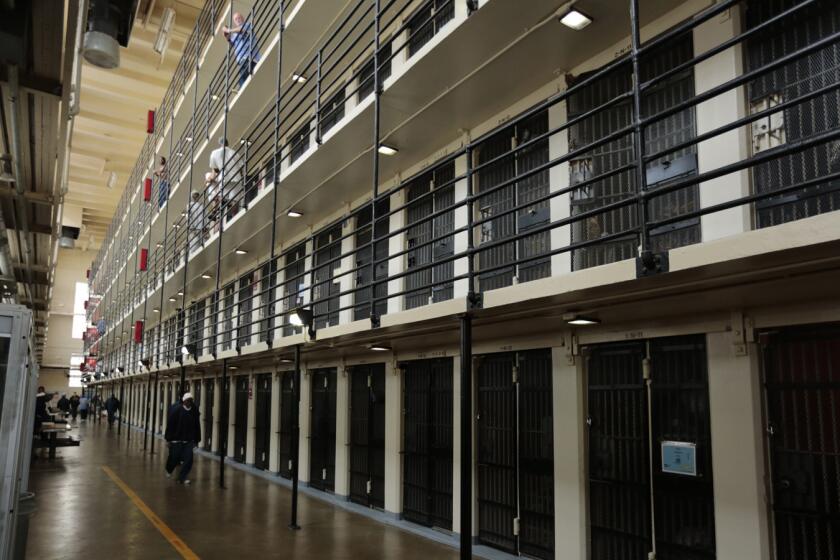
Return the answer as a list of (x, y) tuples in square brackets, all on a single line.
[(229, 168)]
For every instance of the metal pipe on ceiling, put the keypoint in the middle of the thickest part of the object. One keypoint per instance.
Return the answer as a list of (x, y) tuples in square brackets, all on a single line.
[(25, 245)]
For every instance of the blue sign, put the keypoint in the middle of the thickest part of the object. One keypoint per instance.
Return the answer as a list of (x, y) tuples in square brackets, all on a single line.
[(679, 457)]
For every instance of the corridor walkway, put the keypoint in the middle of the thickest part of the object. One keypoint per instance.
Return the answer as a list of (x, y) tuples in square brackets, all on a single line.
[(85, 513)]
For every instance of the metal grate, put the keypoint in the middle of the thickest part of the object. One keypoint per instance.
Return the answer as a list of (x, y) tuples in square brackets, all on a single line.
[(363, 261), (227, 313), (262, 421), (207, 431), (367, 435), (618, 153), (268, 280), (324, 290), (427, 442), (429, 193), (801, 121), (498, 225), (801, 374), (427, 21), (515, 453), (240, 426), (287, 422), (620, 440), (322, 437), (246, 305)]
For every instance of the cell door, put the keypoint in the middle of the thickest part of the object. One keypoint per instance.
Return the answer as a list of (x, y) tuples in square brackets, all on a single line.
[(287, 422), (262, 439), (322, 438), (801, 371), (207, 429), (650, 399), (224, 417), (367, 435), (515, 453), (427, 442), (325, 287), (240, 426)]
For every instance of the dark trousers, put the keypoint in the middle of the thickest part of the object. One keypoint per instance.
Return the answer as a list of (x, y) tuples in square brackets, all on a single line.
[(84, 413), (245, 69), (74, 412), (111, 417), (180, 452)]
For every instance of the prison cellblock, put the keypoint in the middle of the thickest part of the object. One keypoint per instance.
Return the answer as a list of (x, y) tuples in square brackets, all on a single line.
[(646, 401), (515, 461), (367, 435), (430, 192), (801, 121), (801, 375), (612, 156), (262, 421), (427, 442), (240, 426), (207, 414), (325, 288), (497, 165), (322, 434), (363, 259), (287, 422)]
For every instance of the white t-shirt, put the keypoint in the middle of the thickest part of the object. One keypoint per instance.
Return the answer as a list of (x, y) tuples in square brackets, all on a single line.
[(225, 155)]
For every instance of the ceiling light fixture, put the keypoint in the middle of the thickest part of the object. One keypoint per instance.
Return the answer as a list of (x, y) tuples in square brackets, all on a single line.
[(299, 78), (580, 320), (294, 214), (155, 310), (379, 348), (173, 300), (241, 252), (206, 276), (386, 150), (575, 19), (112, 180)]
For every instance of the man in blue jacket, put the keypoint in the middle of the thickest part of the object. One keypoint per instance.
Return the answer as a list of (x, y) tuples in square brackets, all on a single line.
[(183, 432)]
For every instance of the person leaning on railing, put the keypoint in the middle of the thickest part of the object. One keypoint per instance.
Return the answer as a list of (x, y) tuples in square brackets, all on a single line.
[(163, 182), (241, 39)]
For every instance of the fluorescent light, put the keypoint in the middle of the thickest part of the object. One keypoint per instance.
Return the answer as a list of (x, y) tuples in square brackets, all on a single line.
[(173, 300), (286, 361), (299, 78), (155, 310), (180, 293), (294, 214), (386, 150), (188, 138), (580, 320), (241, 252), (233, 368), (179, 154), (575, 19), (206, 276), (112, 180), (379, 348)]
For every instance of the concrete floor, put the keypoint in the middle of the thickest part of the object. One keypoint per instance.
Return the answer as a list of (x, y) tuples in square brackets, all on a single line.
[(82, 513)]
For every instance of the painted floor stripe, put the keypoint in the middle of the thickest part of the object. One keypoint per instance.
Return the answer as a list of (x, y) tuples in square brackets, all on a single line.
[(164, 529)]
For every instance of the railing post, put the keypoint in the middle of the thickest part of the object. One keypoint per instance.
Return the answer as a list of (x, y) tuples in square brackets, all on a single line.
[(318, 98), (638, 131), (377, 94), (466, 436), (223, 421), (295, 439)]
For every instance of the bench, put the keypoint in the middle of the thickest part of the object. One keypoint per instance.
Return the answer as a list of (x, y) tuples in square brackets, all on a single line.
[(53, 441)]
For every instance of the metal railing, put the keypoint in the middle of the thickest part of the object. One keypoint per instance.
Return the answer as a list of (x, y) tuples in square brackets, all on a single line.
[(633, 180)]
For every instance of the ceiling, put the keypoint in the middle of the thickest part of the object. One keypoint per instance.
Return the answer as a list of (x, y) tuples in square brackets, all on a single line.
[(110, 128)]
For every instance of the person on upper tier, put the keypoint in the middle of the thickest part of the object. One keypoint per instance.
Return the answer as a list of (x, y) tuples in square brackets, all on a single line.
[(183, 432), (241, 39)]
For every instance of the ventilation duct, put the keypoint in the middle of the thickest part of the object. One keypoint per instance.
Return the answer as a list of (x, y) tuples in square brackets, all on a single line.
[(108, 28)]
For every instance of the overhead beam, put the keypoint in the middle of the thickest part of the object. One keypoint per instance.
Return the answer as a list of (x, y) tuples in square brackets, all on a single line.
[(32, 83), (29, 196)]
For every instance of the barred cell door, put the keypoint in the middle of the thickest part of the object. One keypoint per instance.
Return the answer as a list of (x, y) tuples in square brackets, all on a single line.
[(649, 399), (207, 413), (262, 425), (427, 442), (287, 422), (515, 453), (322, 438), (801, 370), (240, 426), (367, 435)]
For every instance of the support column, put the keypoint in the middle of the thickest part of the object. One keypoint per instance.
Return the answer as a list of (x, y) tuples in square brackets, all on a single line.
[(559, 206), (726, 148), (274, 438), (251, 434), (464, 459), (217, 415), (231, 419), (342, 432), (393, 438), (304, 421), (741, 520), (347, 281), (461, 220), (568, 396), (396, 243)]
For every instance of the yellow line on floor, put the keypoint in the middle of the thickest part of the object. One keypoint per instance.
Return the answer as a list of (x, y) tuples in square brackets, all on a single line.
[(164, 529)]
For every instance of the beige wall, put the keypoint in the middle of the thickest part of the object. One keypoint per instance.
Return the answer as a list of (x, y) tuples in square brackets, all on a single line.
[(55, 381), (71, 267)]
